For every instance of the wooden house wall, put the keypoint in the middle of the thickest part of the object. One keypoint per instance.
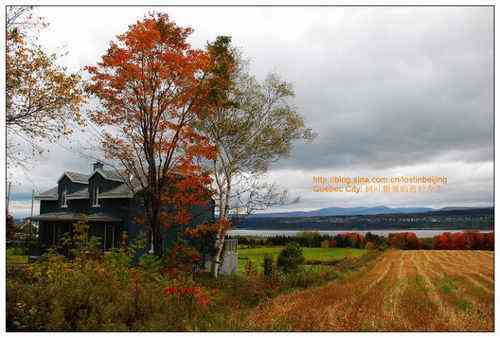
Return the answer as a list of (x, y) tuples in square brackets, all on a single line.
[(71, 187), (201, 214)]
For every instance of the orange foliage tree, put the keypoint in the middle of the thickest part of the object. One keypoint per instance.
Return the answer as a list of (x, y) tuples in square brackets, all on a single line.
[(42, 98), (405, 241), (153, 87), (467, 240)]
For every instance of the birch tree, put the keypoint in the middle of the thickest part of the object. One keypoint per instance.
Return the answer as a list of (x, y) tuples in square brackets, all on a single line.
[(256, 128)]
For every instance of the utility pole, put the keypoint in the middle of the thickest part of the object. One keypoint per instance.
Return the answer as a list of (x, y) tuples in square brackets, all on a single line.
[(8, 196), (32, 199)]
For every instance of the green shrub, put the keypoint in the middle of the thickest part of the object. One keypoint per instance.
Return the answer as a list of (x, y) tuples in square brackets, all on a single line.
[(290, 258), (15, 251), (370, 246), (311, 239), (268, 266), (150, 263)]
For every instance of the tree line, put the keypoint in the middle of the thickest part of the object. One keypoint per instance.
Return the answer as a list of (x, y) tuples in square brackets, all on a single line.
[(467, 240)]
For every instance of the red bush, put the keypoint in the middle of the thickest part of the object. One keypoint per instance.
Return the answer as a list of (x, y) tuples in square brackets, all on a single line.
[(350, 240), (405, 241), (197, 293), (468, 240)]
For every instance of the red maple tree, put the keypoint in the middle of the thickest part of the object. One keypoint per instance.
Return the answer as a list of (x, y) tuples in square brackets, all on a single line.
[(153, 88)]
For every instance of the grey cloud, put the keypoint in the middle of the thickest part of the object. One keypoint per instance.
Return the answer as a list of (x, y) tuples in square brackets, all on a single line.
[(410, 89)]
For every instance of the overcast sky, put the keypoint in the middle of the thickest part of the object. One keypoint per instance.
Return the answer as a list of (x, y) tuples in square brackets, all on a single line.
[(390, 91)]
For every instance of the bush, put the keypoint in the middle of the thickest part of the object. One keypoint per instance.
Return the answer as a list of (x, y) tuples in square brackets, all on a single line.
[(350, 240), (268, 266), (106, 294), (370, 246), (310, 239), (380, 242), (404, 241), (250, 268), (150, 263), (290, 258), (307, 278), (16, 251), (101, 292)]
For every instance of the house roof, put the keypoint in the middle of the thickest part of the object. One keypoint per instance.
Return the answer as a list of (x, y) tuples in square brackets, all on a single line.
[(72, 216), (109, 175), (50, 194), (76, 177), (79, 194), (121, 191)]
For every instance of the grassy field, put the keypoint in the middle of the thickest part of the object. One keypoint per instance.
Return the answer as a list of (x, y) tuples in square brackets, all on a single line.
[(322, 254), (400, 291)]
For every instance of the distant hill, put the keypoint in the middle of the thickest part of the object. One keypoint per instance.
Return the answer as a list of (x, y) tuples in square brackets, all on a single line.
[(336, 211), (376, 218), (457, 208)]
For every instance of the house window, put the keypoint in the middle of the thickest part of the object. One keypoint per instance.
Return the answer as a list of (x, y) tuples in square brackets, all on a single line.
[(95, 197), (63, 199)]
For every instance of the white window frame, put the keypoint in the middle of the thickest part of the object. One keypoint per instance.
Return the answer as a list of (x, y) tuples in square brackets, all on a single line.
[(64, 201), (95, 197)]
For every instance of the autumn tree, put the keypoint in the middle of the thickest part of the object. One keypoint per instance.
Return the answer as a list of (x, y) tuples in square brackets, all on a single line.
[(405, 241), (467, 240), (153, 87), (256, 127), (42, 98)]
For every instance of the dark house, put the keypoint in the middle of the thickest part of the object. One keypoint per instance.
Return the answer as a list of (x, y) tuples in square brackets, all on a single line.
[(107, 203)]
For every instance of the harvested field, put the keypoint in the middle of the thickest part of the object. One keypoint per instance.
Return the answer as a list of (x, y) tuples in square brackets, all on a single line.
[(400, 291)]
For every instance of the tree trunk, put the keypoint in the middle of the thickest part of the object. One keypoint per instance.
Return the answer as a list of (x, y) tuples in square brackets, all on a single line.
[(152, 208), (223, 213), (218, 254), (157, 242), (157, 238)]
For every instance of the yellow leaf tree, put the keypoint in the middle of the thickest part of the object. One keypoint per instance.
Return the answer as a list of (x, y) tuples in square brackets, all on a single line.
[(42, 98)]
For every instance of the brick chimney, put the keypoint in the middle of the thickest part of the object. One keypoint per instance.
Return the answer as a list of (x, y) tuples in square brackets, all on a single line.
[(97, 165)]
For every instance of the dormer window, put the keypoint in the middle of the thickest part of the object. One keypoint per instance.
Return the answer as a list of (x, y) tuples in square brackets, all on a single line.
[(63, 199), (95, 197)]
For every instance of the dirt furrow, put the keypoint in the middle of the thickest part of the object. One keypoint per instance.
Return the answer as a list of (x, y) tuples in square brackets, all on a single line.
[(472, 261), (460, 298), (400, 291)]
